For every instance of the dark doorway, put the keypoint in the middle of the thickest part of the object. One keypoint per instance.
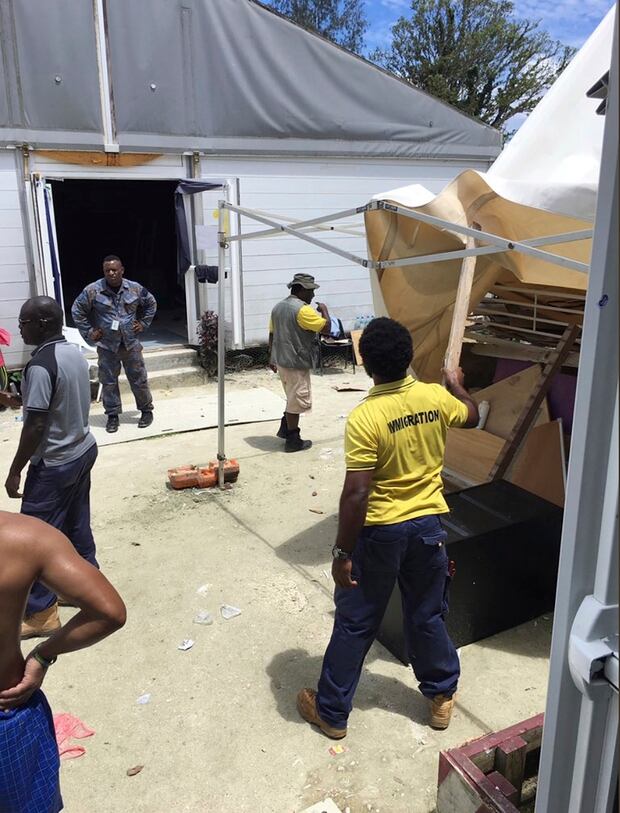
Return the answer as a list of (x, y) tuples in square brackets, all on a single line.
[(134, 220)]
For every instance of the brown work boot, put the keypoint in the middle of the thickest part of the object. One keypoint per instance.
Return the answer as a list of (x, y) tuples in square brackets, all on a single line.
[(441, 711), (40, 625), (306, 706)]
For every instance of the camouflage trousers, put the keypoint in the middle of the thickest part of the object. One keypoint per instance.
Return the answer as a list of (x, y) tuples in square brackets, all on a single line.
[(135, 370)]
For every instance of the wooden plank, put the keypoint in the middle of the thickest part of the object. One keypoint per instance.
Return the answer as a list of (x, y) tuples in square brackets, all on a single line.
[(530, 411), (461, 309), (507, 398), (510, 762), (471, 453), (504, 786), (493, 346), (356, 335), (99, 159), (540, 466)]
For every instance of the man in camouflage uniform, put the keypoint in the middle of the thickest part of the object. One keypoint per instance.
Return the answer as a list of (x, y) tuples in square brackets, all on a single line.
[(112, 312)]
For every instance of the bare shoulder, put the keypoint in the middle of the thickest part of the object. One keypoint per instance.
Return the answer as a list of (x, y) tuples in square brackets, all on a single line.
[(28, 536)]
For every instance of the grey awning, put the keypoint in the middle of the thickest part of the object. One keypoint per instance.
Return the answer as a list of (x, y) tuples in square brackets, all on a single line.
[(227, 76)]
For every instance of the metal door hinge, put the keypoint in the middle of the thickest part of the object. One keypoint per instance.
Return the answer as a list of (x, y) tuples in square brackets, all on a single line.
[(593, 640)]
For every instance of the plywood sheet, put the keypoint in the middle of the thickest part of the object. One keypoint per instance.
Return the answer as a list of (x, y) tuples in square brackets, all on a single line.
[(540, 466), (507, 399), (356, 335), (471, 453)]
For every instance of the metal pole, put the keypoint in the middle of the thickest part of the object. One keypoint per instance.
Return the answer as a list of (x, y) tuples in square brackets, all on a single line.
[(221, 338)]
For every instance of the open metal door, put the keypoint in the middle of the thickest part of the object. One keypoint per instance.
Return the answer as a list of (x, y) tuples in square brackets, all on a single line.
[(578, 770), (47, 243)]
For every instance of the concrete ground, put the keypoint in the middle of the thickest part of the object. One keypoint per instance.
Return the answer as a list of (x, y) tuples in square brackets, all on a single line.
[(221, 732)]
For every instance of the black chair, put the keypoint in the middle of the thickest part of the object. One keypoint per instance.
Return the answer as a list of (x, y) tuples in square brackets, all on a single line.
[(329, 344)]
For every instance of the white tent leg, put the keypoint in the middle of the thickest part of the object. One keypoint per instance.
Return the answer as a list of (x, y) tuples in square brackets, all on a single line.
[(221, 347)]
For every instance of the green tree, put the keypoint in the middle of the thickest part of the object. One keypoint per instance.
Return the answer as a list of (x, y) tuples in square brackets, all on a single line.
[(341, 21), (476, 56)]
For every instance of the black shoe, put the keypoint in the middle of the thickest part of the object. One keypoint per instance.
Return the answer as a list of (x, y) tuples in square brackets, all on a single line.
[(294, 443), (146, 419), (283, 430), (112, 424)]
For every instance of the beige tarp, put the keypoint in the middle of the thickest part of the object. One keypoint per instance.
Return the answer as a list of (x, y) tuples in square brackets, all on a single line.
[(544, 183), (422, 296)]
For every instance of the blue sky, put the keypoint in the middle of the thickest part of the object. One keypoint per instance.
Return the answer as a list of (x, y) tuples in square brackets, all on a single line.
[(570, 21)]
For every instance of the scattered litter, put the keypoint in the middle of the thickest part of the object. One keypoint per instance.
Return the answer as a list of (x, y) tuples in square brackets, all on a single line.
[(529, 688), (19, 418), (326, 454), (335, 750), (135, 770), (316, 510), (298, 761), (341, 417), (185, 644), (349, 388), (136, 544), (311, 476), (315, 493), (144, 699), (204, 617), (229, 612), (67, 727), (326, 806), (421, 741), (204, 589), (325, 574)]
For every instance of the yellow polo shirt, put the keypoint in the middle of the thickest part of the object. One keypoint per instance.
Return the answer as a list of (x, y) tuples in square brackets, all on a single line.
[(399, 431), (307, 319)]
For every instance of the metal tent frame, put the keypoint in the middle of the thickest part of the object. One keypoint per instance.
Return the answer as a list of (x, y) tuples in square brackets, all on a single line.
[(494, 244)]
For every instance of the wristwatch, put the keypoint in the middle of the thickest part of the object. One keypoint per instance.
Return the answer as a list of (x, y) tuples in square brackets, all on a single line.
[(338, 553)]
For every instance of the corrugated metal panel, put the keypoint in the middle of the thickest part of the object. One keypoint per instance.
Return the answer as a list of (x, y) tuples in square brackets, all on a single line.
[(14, 278)]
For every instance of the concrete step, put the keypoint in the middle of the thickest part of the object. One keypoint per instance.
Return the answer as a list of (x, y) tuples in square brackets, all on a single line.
[(172, 379), (166, 358)]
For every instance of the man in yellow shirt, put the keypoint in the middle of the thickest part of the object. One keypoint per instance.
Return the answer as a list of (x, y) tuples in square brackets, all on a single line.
[(292, 330), (389, 528)]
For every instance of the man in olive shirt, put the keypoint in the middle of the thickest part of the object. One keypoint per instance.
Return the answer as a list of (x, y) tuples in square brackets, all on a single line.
[(389, 528), (292, 330)]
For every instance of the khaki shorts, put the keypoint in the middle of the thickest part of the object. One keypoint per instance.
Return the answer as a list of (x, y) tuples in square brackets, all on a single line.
[(296, 385)]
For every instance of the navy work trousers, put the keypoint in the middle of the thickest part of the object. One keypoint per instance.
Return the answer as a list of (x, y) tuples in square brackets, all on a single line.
[(60, 496), (414, 553), (135, 370)]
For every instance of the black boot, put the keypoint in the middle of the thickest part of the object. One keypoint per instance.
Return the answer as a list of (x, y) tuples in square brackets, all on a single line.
[(294, 443), (112, 424), (283, 430), (146, 419)]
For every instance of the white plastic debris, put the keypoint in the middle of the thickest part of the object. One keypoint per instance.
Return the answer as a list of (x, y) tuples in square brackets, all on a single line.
[(204, 617), (185, 644), (144, 699), (228, 611), (203, 589)]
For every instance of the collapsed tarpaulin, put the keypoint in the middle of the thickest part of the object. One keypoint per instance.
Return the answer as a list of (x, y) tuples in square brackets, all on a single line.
[(545, 182), (204, 273)]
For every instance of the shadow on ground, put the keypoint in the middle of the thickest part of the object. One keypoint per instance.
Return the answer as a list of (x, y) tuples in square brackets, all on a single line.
[(265, 443), (530, 640), (293, 669), (312, 546)]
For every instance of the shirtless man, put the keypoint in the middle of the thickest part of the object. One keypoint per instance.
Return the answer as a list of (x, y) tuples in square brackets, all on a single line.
[(30, 550)]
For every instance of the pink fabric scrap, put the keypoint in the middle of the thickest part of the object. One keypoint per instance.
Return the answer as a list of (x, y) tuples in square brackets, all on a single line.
[(68, 727)]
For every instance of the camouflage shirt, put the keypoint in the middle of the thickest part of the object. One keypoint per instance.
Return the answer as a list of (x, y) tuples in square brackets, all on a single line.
[(113, 311)]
